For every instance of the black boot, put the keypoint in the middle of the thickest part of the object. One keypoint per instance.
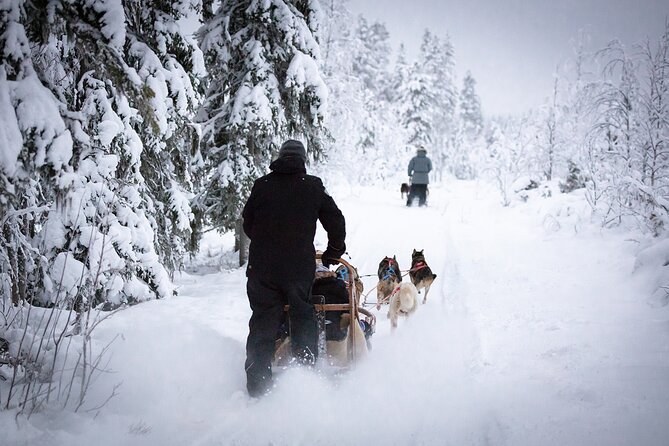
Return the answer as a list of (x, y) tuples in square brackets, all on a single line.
[(258, 380)]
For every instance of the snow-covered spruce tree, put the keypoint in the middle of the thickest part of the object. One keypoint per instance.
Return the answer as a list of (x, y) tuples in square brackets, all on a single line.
[(416, 105), (168, 63), (574, 180), (427, 102), (263, 85), (399, 75), (471, 115), (437, 61), (35, 149), (87, 90), (371, 55), (336, 39), (377, 142), (422, 100), (115, 74), (469, 150), (346, 100)]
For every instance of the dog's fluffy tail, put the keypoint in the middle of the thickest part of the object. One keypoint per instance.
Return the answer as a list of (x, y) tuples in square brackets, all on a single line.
[(408, 297)]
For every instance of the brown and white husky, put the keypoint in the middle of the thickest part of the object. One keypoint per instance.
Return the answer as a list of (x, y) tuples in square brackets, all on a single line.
[(390, 277)]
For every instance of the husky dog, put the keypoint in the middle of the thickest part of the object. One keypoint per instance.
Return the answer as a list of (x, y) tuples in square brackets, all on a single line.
[(404, 190), (389, 277), (403, 302), (421, 274)]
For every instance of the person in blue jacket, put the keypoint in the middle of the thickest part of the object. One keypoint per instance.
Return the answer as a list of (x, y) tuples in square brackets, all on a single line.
[(419, 168)]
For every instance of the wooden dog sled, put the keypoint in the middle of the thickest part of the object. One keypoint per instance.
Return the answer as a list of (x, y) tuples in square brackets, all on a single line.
[(339, 353)]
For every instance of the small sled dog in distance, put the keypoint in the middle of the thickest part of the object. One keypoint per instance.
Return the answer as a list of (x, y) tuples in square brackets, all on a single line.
[(404, 190), (389, 277), (421, 274), (403, 302)]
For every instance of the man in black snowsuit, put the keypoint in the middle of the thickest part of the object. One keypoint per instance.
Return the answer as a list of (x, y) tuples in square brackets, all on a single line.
[(280, 219), (419, 168)]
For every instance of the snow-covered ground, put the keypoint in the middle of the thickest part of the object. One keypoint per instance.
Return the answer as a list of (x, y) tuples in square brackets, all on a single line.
[(536, 332)]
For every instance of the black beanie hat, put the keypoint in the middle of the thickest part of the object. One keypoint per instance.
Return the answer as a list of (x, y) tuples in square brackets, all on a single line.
[(293, 148)]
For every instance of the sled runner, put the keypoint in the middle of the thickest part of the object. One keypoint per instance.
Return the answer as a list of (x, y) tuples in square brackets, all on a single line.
[(343, 335)]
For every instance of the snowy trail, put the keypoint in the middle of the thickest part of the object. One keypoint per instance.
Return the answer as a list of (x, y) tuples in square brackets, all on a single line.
[(567, 351), (527, 338)]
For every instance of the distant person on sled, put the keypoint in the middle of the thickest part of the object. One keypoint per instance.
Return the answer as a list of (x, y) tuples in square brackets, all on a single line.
[(280, 219), (419, 168)]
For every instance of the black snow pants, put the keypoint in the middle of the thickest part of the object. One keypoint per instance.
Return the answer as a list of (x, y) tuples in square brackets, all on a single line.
[(420, 191), (267, 300)]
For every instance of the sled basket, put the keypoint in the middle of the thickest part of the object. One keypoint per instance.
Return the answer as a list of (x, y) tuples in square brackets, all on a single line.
[(353, 345)]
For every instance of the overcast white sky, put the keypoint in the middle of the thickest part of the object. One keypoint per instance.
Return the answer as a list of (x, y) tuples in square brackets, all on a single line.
[(512, 47)]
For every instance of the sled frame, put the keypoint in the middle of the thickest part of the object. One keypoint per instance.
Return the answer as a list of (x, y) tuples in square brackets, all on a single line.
[(321, 308)]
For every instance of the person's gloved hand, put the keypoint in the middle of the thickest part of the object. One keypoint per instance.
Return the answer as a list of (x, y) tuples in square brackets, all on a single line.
[(329, 257)]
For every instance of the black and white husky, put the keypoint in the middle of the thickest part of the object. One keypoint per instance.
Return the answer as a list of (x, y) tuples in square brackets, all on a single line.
[(421, 275)]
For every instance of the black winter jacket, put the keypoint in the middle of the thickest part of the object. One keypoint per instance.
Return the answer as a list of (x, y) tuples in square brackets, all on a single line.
[(280, 219)]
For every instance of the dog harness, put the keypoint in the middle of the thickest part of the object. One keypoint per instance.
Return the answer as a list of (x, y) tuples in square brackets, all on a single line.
[(418, 266), (391, 270), (391, 273), (389, 296)]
